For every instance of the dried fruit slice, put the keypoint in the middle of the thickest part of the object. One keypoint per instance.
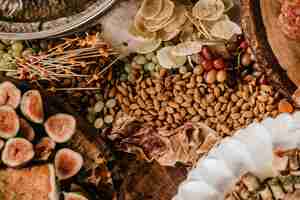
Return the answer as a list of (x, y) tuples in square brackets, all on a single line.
[(143, 34), (32, 106), (151, 8), (9, 122), (17, 152), (165, 18), (210, 10), (60, 127), (167, 10), (180, 19), (225, 29), (44, 148), (74, 196), (9, 94), (148, 46), (167, 36), (168, 60), (26, 130), (187, 48), (67, 163)]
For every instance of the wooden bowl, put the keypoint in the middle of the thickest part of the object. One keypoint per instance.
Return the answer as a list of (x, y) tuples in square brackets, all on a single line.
[(277, 54)]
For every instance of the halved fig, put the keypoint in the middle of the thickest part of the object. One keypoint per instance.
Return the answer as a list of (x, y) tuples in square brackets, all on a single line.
[(9, 94), (74, 196), (60, 127), (2, 143), (32, 106), (17, 152), (26, 130), (67, 163), (9, 122), (44, 148)]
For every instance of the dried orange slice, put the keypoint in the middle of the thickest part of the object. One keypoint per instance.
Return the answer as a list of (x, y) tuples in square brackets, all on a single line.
[(151, 8)]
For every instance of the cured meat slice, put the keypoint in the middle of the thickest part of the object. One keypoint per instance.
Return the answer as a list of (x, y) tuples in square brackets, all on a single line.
[(289, 19)]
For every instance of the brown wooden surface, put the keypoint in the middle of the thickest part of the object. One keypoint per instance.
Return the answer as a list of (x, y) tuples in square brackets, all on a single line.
[(286, 50), (256, 35)]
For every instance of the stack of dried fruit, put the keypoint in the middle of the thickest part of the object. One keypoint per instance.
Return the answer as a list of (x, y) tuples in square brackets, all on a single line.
[(23, 144)]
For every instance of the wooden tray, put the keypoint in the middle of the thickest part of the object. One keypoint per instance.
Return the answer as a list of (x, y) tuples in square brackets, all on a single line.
[(277, 54)]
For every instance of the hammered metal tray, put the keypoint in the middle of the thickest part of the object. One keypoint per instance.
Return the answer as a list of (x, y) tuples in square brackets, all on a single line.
[(37, 30)]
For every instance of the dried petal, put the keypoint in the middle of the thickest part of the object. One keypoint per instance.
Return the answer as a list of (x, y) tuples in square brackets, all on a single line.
[(208, 9), (225, 29)]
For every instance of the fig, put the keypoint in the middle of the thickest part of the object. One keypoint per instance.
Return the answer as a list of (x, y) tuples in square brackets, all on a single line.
[(2, 143), (60, 127), (9, 94), (9, 122), (73, 196), (26, 130), (67, 163), (17, 152), (32, 106), (44, 148)]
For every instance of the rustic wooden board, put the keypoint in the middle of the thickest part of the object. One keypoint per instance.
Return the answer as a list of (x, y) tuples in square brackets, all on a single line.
[(259, 35), (286, 50)]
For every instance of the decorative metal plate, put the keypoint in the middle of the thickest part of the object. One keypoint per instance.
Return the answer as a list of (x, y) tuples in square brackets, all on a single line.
[(15, 25)]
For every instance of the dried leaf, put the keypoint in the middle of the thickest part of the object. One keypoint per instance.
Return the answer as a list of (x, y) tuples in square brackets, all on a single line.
[(185, 144)]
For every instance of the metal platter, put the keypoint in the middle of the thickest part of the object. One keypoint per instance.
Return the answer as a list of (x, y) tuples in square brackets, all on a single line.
[(53, 28)]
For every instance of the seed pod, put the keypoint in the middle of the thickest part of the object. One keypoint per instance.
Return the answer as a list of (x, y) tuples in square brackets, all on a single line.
[(9, 94), (32, 106), (60, 127), (44, 148), (26, 130), (17, 152), (74, 196), (9, 122), (67, 163)]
